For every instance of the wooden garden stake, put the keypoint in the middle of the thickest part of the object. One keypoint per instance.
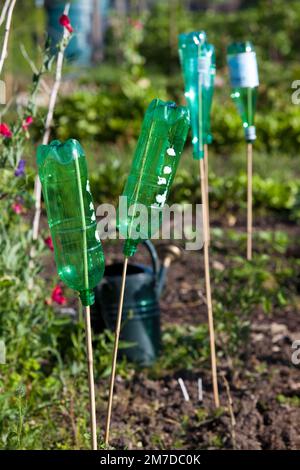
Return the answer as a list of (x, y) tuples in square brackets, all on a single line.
[(115, 353), (7, 12), (90, 363), (208, 286), (4, 11), (88, 332), (249, 200)]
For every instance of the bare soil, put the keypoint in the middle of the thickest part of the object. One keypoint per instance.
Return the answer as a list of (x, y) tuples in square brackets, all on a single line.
[(151, 413)]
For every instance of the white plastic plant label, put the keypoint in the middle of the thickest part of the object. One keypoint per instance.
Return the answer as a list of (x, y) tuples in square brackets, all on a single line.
[(204, 70), (243, 70)]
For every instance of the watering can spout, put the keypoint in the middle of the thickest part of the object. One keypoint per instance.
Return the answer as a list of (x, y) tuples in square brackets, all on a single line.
[(168, 253)]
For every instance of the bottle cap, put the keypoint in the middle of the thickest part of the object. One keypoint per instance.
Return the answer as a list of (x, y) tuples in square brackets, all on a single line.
[(87, 297), (250, 133), (130, 247)]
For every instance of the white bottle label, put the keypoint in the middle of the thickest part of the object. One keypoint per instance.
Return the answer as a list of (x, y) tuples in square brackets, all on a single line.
[(243, 70)]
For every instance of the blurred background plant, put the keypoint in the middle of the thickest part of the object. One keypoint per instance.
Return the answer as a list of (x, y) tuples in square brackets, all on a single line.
[(141, 62)]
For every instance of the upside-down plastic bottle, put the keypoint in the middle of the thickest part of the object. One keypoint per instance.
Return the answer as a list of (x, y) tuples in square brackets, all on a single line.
[(208, 138), (71, 216), (242, 64), (159, 147), (197, 59)]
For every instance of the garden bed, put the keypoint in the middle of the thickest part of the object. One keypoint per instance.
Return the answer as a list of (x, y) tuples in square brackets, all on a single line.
[(149, 408)]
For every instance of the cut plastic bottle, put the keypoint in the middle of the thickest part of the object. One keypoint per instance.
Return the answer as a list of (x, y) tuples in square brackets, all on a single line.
[(242, 63), (159, 148), (208, 138), (198, 64), (71, 216)]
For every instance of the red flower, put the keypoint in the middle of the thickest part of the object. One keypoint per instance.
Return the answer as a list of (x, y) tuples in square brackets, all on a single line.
[(57, 295), (17, 208), (49, 243), (5, 130), (64, 20), (28, 121)]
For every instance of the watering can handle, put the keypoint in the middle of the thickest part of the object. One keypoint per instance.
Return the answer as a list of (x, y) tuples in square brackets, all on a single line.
[(154, 257)]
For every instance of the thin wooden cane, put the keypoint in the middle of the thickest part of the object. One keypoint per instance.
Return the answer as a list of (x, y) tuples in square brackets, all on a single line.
[(90, 363), (207, 189), (208, 288), (115, 353), (249, 201), (88, 332)]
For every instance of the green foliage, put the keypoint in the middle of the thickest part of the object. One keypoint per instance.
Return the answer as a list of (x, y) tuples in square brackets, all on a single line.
[(113, 114), (291, 401), (118, 108), (268, 194), (274, 28), (227, 193), (104, 117), (184, 346), (149, 67), (239, 290)]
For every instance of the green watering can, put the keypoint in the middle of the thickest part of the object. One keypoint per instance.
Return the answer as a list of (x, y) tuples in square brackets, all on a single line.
[(141, 311)]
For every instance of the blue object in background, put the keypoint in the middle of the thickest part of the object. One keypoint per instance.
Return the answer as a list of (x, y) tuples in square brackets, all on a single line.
[(88, 29)]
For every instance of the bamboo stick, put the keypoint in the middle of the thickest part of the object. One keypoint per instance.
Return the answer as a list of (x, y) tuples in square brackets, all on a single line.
[(4, 11), (208, 287), (115, 353), (249, 200), (88, 332), (90, 363), (7, 10)]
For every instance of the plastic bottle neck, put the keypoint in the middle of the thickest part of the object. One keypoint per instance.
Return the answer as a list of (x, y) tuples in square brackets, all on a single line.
[(250, 134), (130, 247), (87, 297)]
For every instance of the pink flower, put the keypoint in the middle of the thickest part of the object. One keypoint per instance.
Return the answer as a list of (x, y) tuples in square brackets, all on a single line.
[(64, 20), (28, 121), (5, 130), (136, 24), (49, 243), (17, 208), (57, 295)]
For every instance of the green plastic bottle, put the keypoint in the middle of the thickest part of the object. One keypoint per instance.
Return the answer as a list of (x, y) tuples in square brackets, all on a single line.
[(159, 147), (208, 138), (241, 58), (197, 58), (71, 216)]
